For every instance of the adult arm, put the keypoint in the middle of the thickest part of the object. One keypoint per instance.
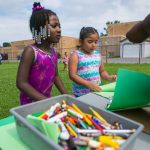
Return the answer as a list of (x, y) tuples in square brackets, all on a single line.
[(23, 74), (139, 32)]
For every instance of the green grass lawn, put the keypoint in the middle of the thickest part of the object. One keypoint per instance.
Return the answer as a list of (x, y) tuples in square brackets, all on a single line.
[(9, 94)]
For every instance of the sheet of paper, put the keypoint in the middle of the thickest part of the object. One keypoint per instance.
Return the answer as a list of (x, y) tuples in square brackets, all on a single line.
[(9, 138), (132, 90), (108, 95), (108, 87), (51, 130)]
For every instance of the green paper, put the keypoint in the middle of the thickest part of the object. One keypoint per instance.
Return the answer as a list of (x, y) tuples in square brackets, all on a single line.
[(51, 130), (9, 138), (105, 94), (7, 120), (108, 87), (37, 122), (132, 90)]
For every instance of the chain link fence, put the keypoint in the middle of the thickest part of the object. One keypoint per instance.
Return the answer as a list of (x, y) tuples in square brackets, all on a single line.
[(125, 53)]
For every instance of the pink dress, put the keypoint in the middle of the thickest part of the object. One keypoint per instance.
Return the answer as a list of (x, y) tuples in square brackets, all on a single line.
[(66, 59), (42, 74)]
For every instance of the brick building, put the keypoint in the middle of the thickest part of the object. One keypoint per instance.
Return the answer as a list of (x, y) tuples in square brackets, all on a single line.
[(110, 44), (14, 51), (120, 28)]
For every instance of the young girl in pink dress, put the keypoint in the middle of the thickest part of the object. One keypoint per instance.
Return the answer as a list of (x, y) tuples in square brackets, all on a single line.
[(37, 70)]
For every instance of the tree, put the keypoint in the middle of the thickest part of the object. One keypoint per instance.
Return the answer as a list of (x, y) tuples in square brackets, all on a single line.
[(6, 44), (108, 23)]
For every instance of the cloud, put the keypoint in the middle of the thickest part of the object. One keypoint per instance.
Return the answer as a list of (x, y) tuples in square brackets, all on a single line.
[(73, 14)]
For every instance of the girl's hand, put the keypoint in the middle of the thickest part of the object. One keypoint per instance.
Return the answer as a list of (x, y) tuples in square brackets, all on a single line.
[(112, 78), (94, 87)]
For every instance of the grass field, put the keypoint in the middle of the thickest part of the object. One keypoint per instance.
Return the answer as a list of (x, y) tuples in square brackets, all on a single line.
[(9, 93)]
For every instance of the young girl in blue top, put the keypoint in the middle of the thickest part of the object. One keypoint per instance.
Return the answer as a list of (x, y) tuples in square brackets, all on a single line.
[(86, 66)]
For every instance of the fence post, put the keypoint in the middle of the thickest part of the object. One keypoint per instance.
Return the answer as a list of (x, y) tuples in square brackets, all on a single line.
[(106, 55), (140, 52)]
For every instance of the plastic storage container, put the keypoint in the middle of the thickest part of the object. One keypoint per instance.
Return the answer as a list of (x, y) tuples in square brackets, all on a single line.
[(38, 141)]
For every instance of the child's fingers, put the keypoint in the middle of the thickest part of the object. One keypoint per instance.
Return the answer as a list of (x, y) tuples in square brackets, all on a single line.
[(98, 89)]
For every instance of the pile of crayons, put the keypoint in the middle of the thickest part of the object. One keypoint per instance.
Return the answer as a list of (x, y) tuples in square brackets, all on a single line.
[(77, 129)]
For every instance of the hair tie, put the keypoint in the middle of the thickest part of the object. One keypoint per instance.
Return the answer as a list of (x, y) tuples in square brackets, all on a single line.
[(37, 8)]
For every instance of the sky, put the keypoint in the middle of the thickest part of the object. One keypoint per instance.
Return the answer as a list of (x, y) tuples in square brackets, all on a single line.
[(73, 15)]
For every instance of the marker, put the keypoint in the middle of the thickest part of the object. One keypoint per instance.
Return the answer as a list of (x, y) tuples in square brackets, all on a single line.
[(80, 142), (82, 124), (72, 126), (97, 115), (111, 137), (88, 131), (56, 118), (67, 106), (109, 142), (49, 112), (71, 130), (98, 123), (94, 144), (79, 111), (119, 131), (44, 116), (75, 113), (71, 120), (95, 124), (103, 125), (88, 115), (90, 142), (64, 135)]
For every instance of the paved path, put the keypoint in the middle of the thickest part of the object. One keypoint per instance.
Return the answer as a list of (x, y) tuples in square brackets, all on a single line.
[(128, 60)]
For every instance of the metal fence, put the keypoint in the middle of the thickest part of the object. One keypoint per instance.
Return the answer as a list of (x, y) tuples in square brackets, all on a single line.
[(125, 53)]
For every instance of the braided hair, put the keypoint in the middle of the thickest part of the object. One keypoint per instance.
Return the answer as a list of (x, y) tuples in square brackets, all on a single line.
[(38, 22), (86, 31)]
